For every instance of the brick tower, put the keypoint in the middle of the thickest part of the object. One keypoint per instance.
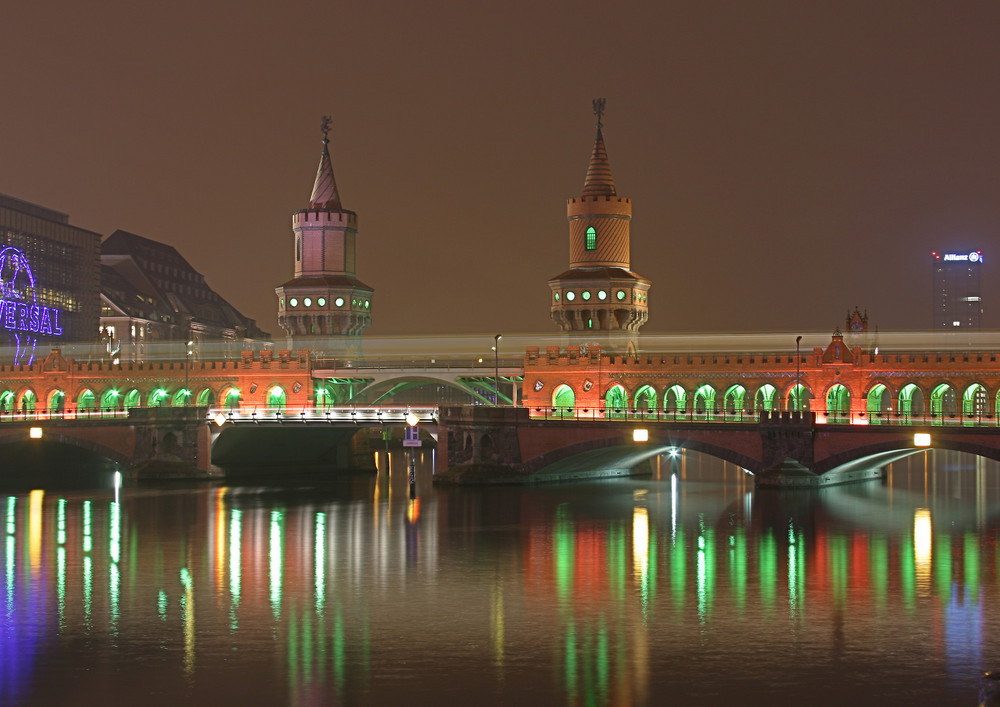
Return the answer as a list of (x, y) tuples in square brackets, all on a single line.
[(325, 300), (599, 299)]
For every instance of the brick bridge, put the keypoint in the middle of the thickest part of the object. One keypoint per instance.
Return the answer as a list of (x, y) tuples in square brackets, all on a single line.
[(779, 449)]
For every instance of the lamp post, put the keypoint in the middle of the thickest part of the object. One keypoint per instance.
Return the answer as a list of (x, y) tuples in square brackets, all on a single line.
[(496, 369), (798, 393), (187, 369)]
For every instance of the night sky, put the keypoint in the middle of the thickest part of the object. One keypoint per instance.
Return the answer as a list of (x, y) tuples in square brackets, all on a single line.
[(787, 161)]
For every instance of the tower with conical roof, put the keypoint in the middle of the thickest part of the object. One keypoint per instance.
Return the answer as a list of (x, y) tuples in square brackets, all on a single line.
[(325, 299), (599, 299)]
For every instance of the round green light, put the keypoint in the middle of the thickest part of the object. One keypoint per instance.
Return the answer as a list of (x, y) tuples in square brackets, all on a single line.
[(557, 296), (367, 304), (293, 302), (307, 302), (602, 295), (354, 302), (570, 296), (620, 294), (321, 301), (586, 295), (339, 301)]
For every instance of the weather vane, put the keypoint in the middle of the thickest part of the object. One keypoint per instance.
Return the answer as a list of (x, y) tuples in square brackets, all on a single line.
[(325, 127), (599, 110)]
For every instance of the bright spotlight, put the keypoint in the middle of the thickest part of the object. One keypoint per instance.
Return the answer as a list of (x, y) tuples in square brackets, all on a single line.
[(640, 434), (35, 433), (921, 439)]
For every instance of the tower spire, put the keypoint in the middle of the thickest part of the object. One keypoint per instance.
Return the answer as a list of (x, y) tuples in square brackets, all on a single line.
[(599, 181), (324, 193)]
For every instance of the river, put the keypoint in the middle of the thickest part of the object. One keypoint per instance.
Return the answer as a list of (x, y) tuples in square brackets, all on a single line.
[(686, 588)]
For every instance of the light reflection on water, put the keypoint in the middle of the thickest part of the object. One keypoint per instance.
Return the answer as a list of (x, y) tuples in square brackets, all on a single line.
[(688, 586)]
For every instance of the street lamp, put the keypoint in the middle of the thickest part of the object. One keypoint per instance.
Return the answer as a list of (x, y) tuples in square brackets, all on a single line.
[(798, 392), (496, 369), (187, 368)]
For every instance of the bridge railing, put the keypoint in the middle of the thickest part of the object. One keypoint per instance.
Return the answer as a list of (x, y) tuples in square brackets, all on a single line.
[(394, 414), (831, 417)]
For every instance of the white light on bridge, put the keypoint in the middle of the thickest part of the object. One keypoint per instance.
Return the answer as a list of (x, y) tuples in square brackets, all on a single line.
[(412, 419), (220, 419), (921, 439), (35, 433), (640, 435)]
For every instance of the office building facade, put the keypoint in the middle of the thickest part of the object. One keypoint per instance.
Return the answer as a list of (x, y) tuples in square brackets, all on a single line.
[(957, 295)]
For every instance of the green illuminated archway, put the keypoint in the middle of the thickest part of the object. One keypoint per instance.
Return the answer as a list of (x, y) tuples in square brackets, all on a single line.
[(704, 401), (110, 399), (675, 400), (324, 394), (879, 404), (799, 398), (615, 402), (766, 398), (944, 402), (158, 397), (57, 401), (181, 398), (231, 400), (735, 400), (838, 403), (645, 399), (7, 401), (974, 403), (132, 399), (206, 398), (276, 398), (28, 401), (86, 401), (563, 398), (911, 401)]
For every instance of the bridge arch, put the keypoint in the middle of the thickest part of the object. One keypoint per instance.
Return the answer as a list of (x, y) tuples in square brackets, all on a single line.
[(276, 397), (910, 402), (645, 399), (975, 403), (86, 400), (158, 397), (838, 403), (734, 400), (879, 403), (132, 399), (675, 399), (704, 400), (55, 400), (205, 398), (766, 398), (615, 401), (944, 401), (61, 436), (230, 397), (799, 398), (7, 401), (27, 400), (563, 396)]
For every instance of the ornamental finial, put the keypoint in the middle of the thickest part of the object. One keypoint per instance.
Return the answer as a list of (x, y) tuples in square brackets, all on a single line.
[(325, 127), (599, 111)]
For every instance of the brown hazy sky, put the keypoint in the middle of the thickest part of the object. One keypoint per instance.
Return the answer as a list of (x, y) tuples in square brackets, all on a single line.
[(786, 160)]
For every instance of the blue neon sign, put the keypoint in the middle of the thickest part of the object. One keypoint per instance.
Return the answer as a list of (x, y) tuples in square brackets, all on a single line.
[(20, 313)]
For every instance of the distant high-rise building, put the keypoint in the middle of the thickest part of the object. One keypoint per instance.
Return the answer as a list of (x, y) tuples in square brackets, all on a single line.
[(957, 300)]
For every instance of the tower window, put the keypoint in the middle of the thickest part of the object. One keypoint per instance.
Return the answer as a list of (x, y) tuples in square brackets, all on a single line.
[(591, 239)]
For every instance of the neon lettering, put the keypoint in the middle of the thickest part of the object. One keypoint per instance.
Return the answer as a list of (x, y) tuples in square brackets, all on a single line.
[(18, 316)]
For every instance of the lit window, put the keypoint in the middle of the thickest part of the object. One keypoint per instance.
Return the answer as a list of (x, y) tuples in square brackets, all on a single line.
[(307, 302), (339, 301), (321, 301), (557, 296), (591, 239), (367, 304), (590, 323), (586, 294), (293, 302), (620, 295), (570, 296), (602, 295)]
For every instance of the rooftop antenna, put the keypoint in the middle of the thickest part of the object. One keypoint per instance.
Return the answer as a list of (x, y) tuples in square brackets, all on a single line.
[(599, 111)]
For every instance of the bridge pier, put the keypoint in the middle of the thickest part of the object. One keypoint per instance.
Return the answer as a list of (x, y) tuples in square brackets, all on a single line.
[(170, 443)]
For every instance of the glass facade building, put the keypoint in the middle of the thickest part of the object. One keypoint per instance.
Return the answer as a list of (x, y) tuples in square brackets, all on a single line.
[(956, 290), (49, 278)]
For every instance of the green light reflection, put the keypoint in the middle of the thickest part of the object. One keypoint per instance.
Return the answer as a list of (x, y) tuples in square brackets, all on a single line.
[(235, 535), (320, 562), (61, 586), (276, 562)]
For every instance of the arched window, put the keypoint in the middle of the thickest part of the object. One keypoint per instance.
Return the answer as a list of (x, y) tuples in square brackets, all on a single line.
[(704, 401), (735, 397), (879, 401), (645, 399), (86, 400), (231, 399), (110, 399), (838, 403), (7, 401), (674, 400), (591, 239), (615, 402), (764, 400), (131, 399), (57, 401), (206, 398), (157, 397)]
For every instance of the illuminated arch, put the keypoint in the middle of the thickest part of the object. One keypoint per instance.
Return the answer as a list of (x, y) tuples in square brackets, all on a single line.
[(766, 398), (944, 402), (276, 397), (7, 401), (57, 401), (704, 400), (86, 401), (231, 398), (110, 399), (564, 397), (645, 399), (27, 401), (181, 398), (206, 398), (735, 399), (324, 395), (799, 398), (974, 403), (615, 402), (838, 403), (132, 399), (879, 404), (158, 397), (675, 400), (911, 401)]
